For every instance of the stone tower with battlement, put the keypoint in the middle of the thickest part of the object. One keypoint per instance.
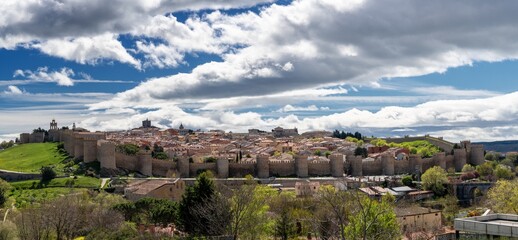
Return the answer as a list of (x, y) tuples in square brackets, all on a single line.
[(337, 165), (387, 163), (263, 166), (301, 166)]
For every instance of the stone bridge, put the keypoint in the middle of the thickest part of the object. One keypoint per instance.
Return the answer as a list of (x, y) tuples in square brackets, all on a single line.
[(467, 191)]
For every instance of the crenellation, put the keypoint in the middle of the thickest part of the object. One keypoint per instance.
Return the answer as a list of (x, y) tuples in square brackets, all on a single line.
[(91, 147)]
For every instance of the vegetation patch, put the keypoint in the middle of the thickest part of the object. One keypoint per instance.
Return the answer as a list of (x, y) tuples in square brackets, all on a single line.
[(31, 157), (77, 182)]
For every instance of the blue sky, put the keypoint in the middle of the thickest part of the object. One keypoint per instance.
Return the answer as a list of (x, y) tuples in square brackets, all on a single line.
[(386, 68)]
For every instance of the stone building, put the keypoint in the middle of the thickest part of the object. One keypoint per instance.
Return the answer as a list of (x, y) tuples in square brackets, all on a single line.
[(281, 132), (418, 219), (155, 188)]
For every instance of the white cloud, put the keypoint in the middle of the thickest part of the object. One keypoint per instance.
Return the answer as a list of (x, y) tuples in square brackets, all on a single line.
[(42, 74), (310, 108), (440, 118), (13, 90), (311, 44), (89, 50)]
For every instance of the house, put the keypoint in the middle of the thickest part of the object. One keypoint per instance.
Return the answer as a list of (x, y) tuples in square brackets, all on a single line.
[(155, 188), (306, 188), (418, 219)]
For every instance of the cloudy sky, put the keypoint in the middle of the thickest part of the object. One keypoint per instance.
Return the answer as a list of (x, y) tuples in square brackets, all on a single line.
[(385, 68)]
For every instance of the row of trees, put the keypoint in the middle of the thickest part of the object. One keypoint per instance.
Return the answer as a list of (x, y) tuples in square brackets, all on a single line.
[(6, 144), (256, 211), (344, 135)]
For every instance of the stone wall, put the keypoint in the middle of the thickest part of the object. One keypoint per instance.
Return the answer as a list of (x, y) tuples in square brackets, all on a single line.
[(18, 176), (401, 166), (37, 137), (106, 154), (477, 155), (242, 169), (90, 150), (194, 168), (371, 167), (282, 168), (263, 166), (162, 167), (128, 162), (301, 166), (319, 168)]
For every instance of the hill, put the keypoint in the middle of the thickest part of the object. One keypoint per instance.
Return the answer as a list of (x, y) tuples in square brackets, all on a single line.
[(501, 146), (30, 157)]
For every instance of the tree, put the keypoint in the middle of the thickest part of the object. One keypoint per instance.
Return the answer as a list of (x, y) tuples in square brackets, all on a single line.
[(284, 225), (503, 197), (407, 181), (192, 203), (485, 169), (467, 168), (372, 219), (434, 179), (47, 174), (4, 189), (503, 172), (359, 151), (335, 204), (248, 207)]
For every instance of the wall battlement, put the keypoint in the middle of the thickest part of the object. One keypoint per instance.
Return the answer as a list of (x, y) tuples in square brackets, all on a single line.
[(93, 147)]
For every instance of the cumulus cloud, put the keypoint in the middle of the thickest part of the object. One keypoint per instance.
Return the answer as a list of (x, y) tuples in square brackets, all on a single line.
[(434, 117), (310, 108), (89, 50), (42, 74), (79, 24), (13, 90), (311, 44)]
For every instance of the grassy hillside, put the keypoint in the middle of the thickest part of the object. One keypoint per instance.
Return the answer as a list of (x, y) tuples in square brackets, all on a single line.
[(30, 157), (79, 182)]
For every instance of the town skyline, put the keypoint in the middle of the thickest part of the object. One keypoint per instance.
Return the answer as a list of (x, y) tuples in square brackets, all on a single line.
[(386, 69)]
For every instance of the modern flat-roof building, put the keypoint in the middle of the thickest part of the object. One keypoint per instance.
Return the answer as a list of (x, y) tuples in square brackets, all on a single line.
[(490, 226)]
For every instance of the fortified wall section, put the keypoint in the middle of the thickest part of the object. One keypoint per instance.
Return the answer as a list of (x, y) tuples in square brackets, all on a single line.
[(93, 147)]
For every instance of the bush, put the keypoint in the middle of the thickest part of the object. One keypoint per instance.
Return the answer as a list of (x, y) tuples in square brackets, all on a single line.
[(407, 181), (47, 174)]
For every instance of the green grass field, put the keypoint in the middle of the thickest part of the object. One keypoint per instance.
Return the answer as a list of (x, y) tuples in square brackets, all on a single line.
[(30, 157), (26, 197), (80, 182)]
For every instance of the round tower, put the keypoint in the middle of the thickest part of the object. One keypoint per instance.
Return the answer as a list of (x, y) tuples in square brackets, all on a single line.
[(263, 166), (337, 165), (415, 163), (387, 163), (106, 154), (477, 155), (78, 146), (222, 167), (145, 163), (301, 166), (356, 165), (183, 166), (90, 150), (459, 158), (439, 159)]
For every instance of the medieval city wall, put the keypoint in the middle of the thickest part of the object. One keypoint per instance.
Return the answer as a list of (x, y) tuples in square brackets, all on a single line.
[(162, 167), (282, 168), (371, 167), (195, 168), (428, 163), (319, 168), (128, 162), (242, 169), (401, 166)]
